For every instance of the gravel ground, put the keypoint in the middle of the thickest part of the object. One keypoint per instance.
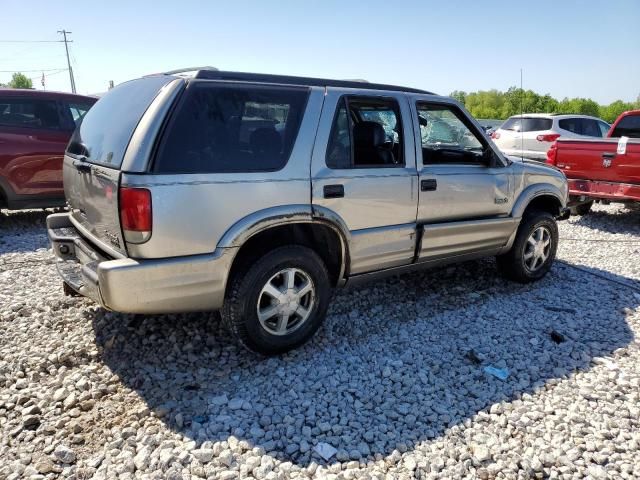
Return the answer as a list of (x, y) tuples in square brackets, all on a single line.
[(394, 381)]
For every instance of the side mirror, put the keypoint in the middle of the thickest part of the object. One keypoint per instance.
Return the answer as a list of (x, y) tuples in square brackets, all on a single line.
[(490, 158)]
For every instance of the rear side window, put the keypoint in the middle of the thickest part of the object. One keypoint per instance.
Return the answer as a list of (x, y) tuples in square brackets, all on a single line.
[(78, 110), (527, 124), (628, 127), (604, 128), (29, 113), (220, 128), (105, 131)]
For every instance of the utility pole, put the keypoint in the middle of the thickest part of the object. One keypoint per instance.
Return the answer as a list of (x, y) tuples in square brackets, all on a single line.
[(66, 47)]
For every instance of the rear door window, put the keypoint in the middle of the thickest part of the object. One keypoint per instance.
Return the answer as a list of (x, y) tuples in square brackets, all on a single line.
[(571, 125), (527, 124), (366, 133), (628, 127), (581, 126), (29, 113), (220, 128), (107, 127), (590, 127)]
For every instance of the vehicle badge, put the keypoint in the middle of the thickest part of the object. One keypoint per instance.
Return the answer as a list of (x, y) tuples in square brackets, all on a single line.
[(606, 162)]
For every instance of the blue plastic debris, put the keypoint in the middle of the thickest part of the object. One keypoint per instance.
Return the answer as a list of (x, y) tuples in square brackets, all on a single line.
[(500, 373)]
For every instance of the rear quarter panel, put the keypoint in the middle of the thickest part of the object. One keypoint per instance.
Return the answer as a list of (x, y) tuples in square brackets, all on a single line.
[(31, 160)]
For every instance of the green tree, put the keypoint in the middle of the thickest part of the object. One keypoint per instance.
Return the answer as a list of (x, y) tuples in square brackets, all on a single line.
[(459, 95), (613, 110), (494, 104), (18, 80)]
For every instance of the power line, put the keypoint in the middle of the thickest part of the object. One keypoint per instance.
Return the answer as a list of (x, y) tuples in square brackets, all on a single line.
[(32, 41), (19, 70)]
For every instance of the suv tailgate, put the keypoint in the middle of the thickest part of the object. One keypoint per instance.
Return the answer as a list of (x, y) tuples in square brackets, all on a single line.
[(92, 164)]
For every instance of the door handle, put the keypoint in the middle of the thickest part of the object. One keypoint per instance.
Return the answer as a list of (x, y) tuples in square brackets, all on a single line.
[(608, 155), (82, 167), (428, 185), (333, 191)]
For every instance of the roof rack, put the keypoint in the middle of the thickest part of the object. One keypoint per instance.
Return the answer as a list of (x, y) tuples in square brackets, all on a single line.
[(215, 74), (189, 69)]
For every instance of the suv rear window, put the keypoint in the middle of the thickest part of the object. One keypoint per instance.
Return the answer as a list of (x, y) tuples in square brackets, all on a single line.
[(221, 128), (105, 130), (527, 124), (628, 127)]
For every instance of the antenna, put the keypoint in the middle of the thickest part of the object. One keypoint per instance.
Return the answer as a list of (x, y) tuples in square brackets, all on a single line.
[(521, 118)]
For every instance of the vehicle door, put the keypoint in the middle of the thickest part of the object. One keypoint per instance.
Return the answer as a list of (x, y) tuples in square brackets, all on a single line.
[(363, 172), (32, 141), (466, 187)]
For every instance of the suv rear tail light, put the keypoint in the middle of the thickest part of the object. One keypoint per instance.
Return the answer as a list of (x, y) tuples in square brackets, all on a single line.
[(135, 214), (552, 154), (495, 135), (549, 137)]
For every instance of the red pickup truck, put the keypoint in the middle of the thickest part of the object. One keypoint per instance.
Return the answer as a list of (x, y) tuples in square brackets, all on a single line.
[(604, 170), (35, 127)]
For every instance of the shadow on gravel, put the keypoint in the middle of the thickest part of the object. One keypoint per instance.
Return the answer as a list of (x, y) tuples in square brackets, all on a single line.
[(390, 368), (23, 230), (625, 220)]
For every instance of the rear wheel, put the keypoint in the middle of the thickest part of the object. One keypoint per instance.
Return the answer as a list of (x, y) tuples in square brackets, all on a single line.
[(533, 250), (278, 302)]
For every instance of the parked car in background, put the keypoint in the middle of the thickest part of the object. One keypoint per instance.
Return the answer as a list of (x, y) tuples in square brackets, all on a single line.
[(195, 199), (35, 127), (530, 135), (602, 170)]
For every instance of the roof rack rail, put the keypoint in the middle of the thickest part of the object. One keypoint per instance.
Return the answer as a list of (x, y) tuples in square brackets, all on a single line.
[(208, 74), (189, 69)]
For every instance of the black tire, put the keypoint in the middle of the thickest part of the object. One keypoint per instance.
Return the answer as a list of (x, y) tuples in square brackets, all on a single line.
[(512, 264), (582, 209), (240, 315)]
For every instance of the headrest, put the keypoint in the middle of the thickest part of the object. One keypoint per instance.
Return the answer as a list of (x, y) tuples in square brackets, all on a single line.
[(369, 134), (265, 140)]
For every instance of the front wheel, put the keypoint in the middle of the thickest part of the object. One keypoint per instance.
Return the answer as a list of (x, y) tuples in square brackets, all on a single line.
[(278, 302), (533, 250)]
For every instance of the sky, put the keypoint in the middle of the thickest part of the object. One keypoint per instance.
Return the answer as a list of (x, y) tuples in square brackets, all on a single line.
[(567, 48)]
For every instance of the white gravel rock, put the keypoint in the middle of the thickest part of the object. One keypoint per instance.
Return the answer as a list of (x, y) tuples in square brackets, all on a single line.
[(389, 380)]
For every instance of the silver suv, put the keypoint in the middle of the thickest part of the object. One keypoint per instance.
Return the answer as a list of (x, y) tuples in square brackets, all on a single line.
[(257, 195)]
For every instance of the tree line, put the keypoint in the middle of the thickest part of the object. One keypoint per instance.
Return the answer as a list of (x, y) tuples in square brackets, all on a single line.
[(18, 80), (498, 105)]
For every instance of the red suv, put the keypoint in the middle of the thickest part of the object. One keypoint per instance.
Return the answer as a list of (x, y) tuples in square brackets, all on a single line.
[(35, 127)]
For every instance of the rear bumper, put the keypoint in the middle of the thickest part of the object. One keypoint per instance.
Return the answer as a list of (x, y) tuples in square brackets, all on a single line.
[(604, 190), (170, 285)]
